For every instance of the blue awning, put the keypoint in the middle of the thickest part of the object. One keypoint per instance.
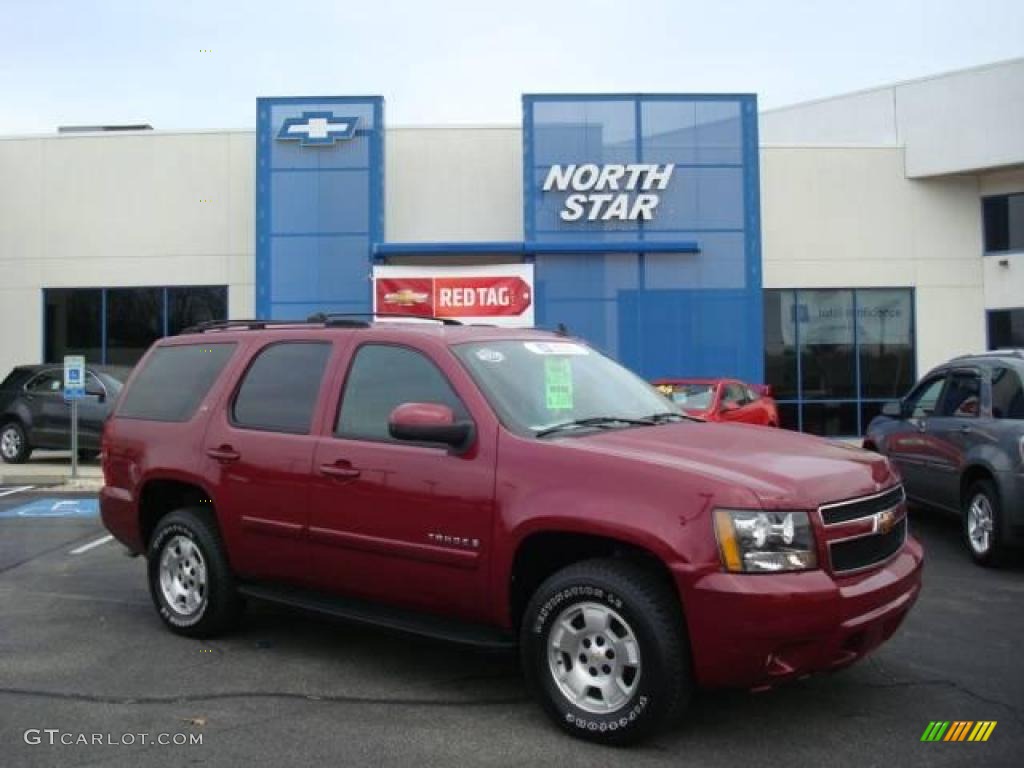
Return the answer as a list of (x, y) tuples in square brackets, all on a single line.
[(525, 248)]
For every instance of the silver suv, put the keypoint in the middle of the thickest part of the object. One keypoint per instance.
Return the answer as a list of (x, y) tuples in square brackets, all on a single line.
[(958, 441)]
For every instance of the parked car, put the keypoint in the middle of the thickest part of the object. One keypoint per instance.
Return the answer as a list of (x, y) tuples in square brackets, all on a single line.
[(722, 400), (958, 442), (34, 413), (502, 487)]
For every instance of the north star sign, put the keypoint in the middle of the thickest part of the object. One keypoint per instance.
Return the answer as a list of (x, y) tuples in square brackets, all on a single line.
[(317, 128), (613, 192)]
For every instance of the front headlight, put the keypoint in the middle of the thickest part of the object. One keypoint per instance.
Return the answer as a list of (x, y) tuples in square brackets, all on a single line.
[(755, 541)]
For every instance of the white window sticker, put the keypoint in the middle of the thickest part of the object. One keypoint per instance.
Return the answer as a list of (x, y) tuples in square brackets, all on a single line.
[(489, 355), (556, 348)]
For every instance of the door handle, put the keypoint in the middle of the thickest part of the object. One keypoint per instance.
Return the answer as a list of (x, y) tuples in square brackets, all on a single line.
[(223, 454), (341, 469)]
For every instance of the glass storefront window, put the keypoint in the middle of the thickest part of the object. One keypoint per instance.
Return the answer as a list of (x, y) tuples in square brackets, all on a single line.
[(115, 326), (1006, 329), (834, 356)]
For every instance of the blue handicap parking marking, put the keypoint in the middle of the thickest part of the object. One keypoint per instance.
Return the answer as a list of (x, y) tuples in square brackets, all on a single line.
[(50, 507)]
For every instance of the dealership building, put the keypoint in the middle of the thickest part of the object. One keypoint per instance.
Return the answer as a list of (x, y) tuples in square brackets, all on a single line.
[(835, 249)]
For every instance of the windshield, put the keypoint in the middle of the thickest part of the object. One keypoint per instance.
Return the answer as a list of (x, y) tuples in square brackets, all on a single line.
[(537, 385), (693, 397)]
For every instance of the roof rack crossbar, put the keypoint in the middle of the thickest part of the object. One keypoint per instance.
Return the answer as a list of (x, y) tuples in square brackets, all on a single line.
[(327, 317)]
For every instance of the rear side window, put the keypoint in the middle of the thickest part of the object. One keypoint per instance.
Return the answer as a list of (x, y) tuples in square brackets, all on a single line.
[(384, 377), (1007, 395), (279, 391), (174, 381)]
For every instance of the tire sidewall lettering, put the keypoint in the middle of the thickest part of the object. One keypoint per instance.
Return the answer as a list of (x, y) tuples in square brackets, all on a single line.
[(169, 615)]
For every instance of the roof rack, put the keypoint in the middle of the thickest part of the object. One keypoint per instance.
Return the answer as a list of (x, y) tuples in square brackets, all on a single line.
[(333, 318), (327, 319), (993, 353)]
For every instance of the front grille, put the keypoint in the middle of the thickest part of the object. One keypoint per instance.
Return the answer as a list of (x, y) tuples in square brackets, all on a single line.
[(843, 511), (865, 551)]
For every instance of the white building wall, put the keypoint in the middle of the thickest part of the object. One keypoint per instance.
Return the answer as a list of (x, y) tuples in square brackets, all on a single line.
[(457, 184), (847, 217), (146, 209)]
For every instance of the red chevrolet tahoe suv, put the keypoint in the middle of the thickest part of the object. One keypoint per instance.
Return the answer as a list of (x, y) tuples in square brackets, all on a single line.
[(502, 487)]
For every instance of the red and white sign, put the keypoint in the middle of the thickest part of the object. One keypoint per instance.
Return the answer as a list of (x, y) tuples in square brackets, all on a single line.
[(494, 294)]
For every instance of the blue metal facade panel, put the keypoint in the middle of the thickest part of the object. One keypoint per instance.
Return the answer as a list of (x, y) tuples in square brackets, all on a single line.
[(662, 313), (319, 206)]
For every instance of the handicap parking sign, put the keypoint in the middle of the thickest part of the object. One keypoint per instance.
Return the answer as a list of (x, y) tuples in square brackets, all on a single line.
[(51, 507), (74, 377)]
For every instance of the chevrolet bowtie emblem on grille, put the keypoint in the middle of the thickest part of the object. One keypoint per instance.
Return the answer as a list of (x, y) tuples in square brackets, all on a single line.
[(317, 128), (406, 297), (885, 520)]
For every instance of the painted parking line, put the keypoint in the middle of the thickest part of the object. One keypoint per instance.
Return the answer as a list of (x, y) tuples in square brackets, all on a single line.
[(52, 507), (12, 491), (91, 545)]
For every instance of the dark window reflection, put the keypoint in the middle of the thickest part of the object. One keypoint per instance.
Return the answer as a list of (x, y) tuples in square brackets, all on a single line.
[(885, 339), (73, 324), (830, 418), (134, 321), (1006, 328), (825, 327), (780, 343), (192, 305), (789, 415), (1003, 222)]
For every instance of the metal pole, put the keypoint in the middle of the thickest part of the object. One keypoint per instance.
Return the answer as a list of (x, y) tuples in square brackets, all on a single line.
[(74, 439)]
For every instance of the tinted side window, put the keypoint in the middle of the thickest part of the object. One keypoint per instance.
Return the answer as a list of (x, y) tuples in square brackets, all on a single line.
[(280, 389), (1007, 394), (50, 381), (963, 396), (733, 394), (174, 381), (922, 401), (382, 378)]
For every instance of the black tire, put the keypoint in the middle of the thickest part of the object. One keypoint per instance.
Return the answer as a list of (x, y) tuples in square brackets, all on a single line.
[(220, 606), (984, 492), (652, 615), (14, 446)]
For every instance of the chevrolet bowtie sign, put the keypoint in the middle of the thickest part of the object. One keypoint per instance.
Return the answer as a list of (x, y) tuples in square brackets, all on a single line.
[(317, 129), (603, 192)]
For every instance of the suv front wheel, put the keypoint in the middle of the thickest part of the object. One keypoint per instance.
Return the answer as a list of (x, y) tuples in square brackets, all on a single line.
[(190, 580), (604, 649)]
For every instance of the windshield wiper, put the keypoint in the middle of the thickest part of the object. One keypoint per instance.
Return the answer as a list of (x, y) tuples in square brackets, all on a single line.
[(595, 421), (665, 416)]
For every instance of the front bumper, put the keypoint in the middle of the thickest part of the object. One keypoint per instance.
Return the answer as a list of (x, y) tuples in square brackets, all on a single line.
[(754, 630)]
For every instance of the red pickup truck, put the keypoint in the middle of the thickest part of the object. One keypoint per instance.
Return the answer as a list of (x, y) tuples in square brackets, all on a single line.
[(502, 488)]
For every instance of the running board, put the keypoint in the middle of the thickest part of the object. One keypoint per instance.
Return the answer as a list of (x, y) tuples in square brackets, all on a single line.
[(387, 617)]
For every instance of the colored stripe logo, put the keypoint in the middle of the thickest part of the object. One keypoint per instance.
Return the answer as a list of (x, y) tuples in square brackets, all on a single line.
[(958, 730)]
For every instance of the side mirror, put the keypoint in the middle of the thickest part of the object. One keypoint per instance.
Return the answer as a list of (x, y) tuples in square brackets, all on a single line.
[(893, 410), (429, 423)]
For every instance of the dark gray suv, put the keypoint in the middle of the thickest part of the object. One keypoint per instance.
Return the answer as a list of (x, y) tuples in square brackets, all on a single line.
[(958, 441)]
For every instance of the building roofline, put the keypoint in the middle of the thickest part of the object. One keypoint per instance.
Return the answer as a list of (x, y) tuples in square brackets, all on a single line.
[(895, 84)]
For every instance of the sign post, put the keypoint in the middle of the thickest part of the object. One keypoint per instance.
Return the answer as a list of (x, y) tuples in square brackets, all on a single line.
[(74, 390)]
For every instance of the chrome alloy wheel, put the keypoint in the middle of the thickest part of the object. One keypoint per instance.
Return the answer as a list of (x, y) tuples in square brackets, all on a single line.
[(10, 443), (183, 576), (980, 522), (594, 657)]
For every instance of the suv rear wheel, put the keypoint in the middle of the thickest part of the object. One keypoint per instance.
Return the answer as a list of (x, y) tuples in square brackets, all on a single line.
[(981, 519), (14, 447), (189, 578), (604, 649)]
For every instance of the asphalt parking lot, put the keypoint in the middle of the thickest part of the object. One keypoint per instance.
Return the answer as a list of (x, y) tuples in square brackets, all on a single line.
[(82, 651)]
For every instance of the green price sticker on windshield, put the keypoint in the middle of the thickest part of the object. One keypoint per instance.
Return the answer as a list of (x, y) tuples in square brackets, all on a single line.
[(558, 384)]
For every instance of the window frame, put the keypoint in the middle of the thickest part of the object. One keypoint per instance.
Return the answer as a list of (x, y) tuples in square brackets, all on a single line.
[(942, 377), (26, 387), (860, 401), (985, 250), (244, 375), (343, 389)]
